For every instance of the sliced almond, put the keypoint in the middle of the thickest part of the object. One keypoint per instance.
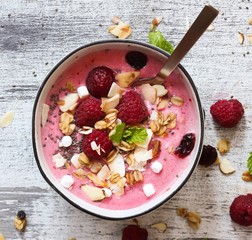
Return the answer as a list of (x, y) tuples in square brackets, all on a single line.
[(70, 100), (121, 30), (2, 236), (156, 148), (110, 103), (94, 193), (211, 27), (182, 212), (249, 36), (80, 173), (126, 78), (240, 38), (223, 146), (149, 93), (161, 90), (226, 167), (116, 20), (115, 89), (161, 226), (6, 119), (250, 21), (163, 104), (96, 181), (177, 101), (95, 167)]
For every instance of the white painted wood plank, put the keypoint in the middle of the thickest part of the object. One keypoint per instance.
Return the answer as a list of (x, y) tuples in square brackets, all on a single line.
[(36, 34)]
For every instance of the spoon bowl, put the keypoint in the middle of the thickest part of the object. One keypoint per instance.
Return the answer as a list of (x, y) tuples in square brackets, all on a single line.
[(200, 25)]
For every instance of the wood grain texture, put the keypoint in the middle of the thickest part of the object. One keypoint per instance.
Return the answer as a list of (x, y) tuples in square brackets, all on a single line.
[(36, 34)]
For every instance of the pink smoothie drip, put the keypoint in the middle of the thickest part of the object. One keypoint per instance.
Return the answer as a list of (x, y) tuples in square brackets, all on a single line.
[(172, 165)]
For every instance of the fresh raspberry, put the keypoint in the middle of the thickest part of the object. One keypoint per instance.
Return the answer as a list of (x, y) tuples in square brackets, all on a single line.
[(101, 141), (208, 155), (88, 112), (131, 108), (134, 232), (99, 81), (227, 112), (241, 210)]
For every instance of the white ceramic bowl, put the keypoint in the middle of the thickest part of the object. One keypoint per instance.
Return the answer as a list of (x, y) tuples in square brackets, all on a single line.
[(37, 142)]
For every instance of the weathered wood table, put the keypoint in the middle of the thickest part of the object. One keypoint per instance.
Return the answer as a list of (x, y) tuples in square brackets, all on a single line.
[(36, 34)]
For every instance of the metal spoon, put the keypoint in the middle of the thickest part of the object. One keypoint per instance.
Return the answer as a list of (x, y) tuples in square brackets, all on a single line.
[(200, 25)]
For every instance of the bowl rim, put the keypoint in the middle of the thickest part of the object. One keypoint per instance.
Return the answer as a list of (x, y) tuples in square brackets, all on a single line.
[(201, 136)]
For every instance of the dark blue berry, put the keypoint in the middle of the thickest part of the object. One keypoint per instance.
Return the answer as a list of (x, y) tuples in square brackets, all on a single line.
[(21, 215), (208, 156), (135, 59)]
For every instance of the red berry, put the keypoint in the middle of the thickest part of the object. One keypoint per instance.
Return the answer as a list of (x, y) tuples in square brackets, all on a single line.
[(241, 210), (134, 232), (208, 155), (99, 81), (227, 112), (88, 112), (131, 108), (186, 145), (101, 140)]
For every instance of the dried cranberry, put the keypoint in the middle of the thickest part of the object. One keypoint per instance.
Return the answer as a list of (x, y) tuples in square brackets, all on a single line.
[(186, 145), (135, 59), (134, 232), (208, 155)]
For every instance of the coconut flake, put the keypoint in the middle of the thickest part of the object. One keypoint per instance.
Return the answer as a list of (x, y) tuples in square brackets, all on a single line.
[(6, 119)]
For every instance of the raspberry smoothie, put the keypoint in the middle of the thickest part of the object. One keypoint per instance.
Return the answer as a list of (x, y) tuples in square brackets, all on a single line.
[(123, 155)]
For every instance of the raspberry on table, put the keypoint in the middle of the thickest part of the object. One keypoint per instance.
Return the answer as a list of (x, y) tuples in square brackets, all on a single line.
[(99, 81), (134, 232), (101, 140), (208, 155), (241, 210), (227, 113), (132, 109), (88, 112)]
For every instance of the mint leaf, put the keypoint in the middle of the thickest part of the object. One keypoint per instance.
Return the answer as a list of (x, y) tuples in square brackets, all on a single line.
[(157, 39), (249, 164), (117, 134), (135, 135)]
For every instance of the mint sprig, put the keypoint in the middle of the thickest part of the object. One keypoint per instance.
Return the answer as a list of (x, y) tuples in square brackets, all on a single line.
[(249, 164), (128, 134), (157, 39)]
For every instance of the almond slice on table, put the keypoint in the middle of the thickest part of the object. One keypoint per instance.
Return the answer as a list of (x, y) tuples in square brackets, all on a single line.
[(94, 193), (249, 36), (240, 38), (121, 30), (226, 167), (161, 226), (126, 78), (6, 119)]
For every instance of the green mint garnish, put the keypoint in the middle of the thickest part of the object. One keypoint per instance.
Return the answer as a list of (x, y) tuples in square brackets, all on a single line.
[(157, 39), (130, 134), (249, 164), (135, 135), (117, 134)]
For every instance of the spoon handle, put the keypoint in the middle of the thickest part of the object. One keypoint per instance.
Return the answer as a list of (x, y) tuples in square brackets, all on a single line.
[(202, 22)]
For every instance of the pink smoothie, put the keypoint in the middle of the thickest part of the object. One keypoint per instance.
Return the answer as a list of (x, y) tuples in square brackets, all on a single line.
[(173, 166)]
